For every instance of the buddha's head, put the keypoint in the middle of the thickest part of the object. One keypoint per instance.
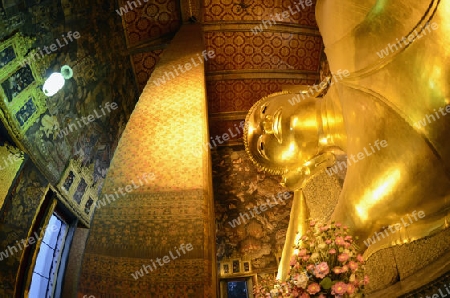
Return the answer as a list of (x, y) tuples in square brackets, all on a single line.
[(279, 136)]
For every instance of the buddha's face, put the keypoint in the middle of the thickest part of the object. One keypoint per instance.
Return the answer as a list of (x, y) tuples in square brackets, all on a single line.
[(281, 136)]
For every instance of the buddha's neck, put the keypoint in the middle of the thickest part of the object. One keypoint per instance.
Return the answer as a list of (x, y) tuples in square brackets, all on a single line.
[(332, 131)]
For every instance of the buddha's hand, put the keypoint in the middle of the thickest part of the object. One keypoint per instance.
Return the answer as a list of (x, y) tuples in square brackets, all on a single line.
[(298, 178)]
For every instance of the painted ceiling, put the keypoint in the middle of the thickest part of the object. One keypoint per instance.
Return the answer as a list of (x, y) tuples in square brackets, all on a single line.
[(247, 64)]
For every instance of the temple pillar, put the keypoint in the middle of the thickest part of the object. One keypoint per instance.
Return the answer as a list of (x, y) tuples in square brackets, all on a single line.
[(156, 205)]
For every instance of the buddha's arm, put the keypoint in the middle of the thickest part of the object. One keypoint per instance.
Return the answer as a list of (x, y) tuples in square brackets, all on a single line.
[(297, 221)]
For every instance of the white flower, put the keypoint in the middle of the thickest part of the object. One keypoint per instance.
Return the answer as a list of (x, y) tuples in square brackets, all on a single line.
[(322, 246), (301, 280)]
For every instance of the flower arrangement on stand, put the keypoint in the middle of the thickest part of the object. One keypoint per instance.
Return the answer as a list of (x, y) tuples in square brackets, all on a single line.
[(326, 263)]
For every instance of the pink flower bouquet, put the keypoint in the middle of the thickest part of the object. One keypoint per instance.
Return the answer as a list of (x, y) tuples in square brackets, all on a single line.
[(326, 263)]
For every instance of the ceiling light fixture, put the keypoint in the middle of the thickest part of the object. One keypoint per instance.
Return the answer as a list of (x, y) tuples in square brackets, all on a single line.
[(56, 81)]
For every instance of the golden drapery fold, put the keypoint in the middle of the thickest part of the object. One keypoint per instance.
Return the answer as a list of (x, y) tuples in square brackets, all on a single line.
[(396, 95), (397, 92)]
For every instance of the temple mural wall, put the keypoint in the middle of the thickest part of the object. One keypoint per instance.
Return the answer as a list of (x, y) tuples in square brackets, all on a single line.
[(239, 187), (16, 217), (103, 75)]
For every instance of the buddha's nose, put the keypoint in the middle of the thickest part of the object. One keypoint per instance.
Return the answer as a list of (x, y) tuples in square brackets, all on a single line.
[(267, 124), (272, 125)]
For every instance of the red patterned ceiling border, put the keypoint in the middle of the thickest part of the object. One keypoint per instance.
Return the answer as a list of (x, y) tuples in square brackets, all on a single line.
[(226, 116), (249, 25), (261, 74), (227, 10)]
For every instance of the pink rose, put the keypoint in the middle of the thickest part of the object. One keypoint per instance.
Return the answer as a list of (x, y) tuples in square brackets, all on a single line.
[(339, 288), (350, 289), (323, 266), (321, 270), (348, 238), (344, 268), (337, 270), (332, 251), (338, 225), (360, 258), (305, 258), (339, 240), (343, 257), (305, 295), (366, 280), (313, 288), (328, 241), (353, 265)]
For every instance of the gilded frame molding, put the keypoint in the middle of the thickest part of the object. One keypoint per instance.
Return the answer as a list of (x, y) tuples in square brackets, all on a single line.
[(225, 268), (23, 102), (246, 266), (235, 267), (34, 99), (20, 46), (77, 191)]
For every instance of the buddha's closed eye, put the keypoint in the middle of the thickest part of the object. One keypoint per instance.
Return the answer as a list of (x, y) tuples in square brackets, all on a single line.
[(261, 149), (263, 109)]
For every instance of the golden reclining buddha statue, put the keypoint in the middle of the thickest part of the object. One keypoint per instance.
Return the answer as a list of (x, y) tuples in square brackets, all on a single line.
[(389, 114)]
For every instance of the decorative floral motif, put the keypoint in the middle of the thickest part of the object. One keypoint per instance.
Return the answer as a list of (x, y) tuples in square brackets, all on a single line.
[(325, 264)]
